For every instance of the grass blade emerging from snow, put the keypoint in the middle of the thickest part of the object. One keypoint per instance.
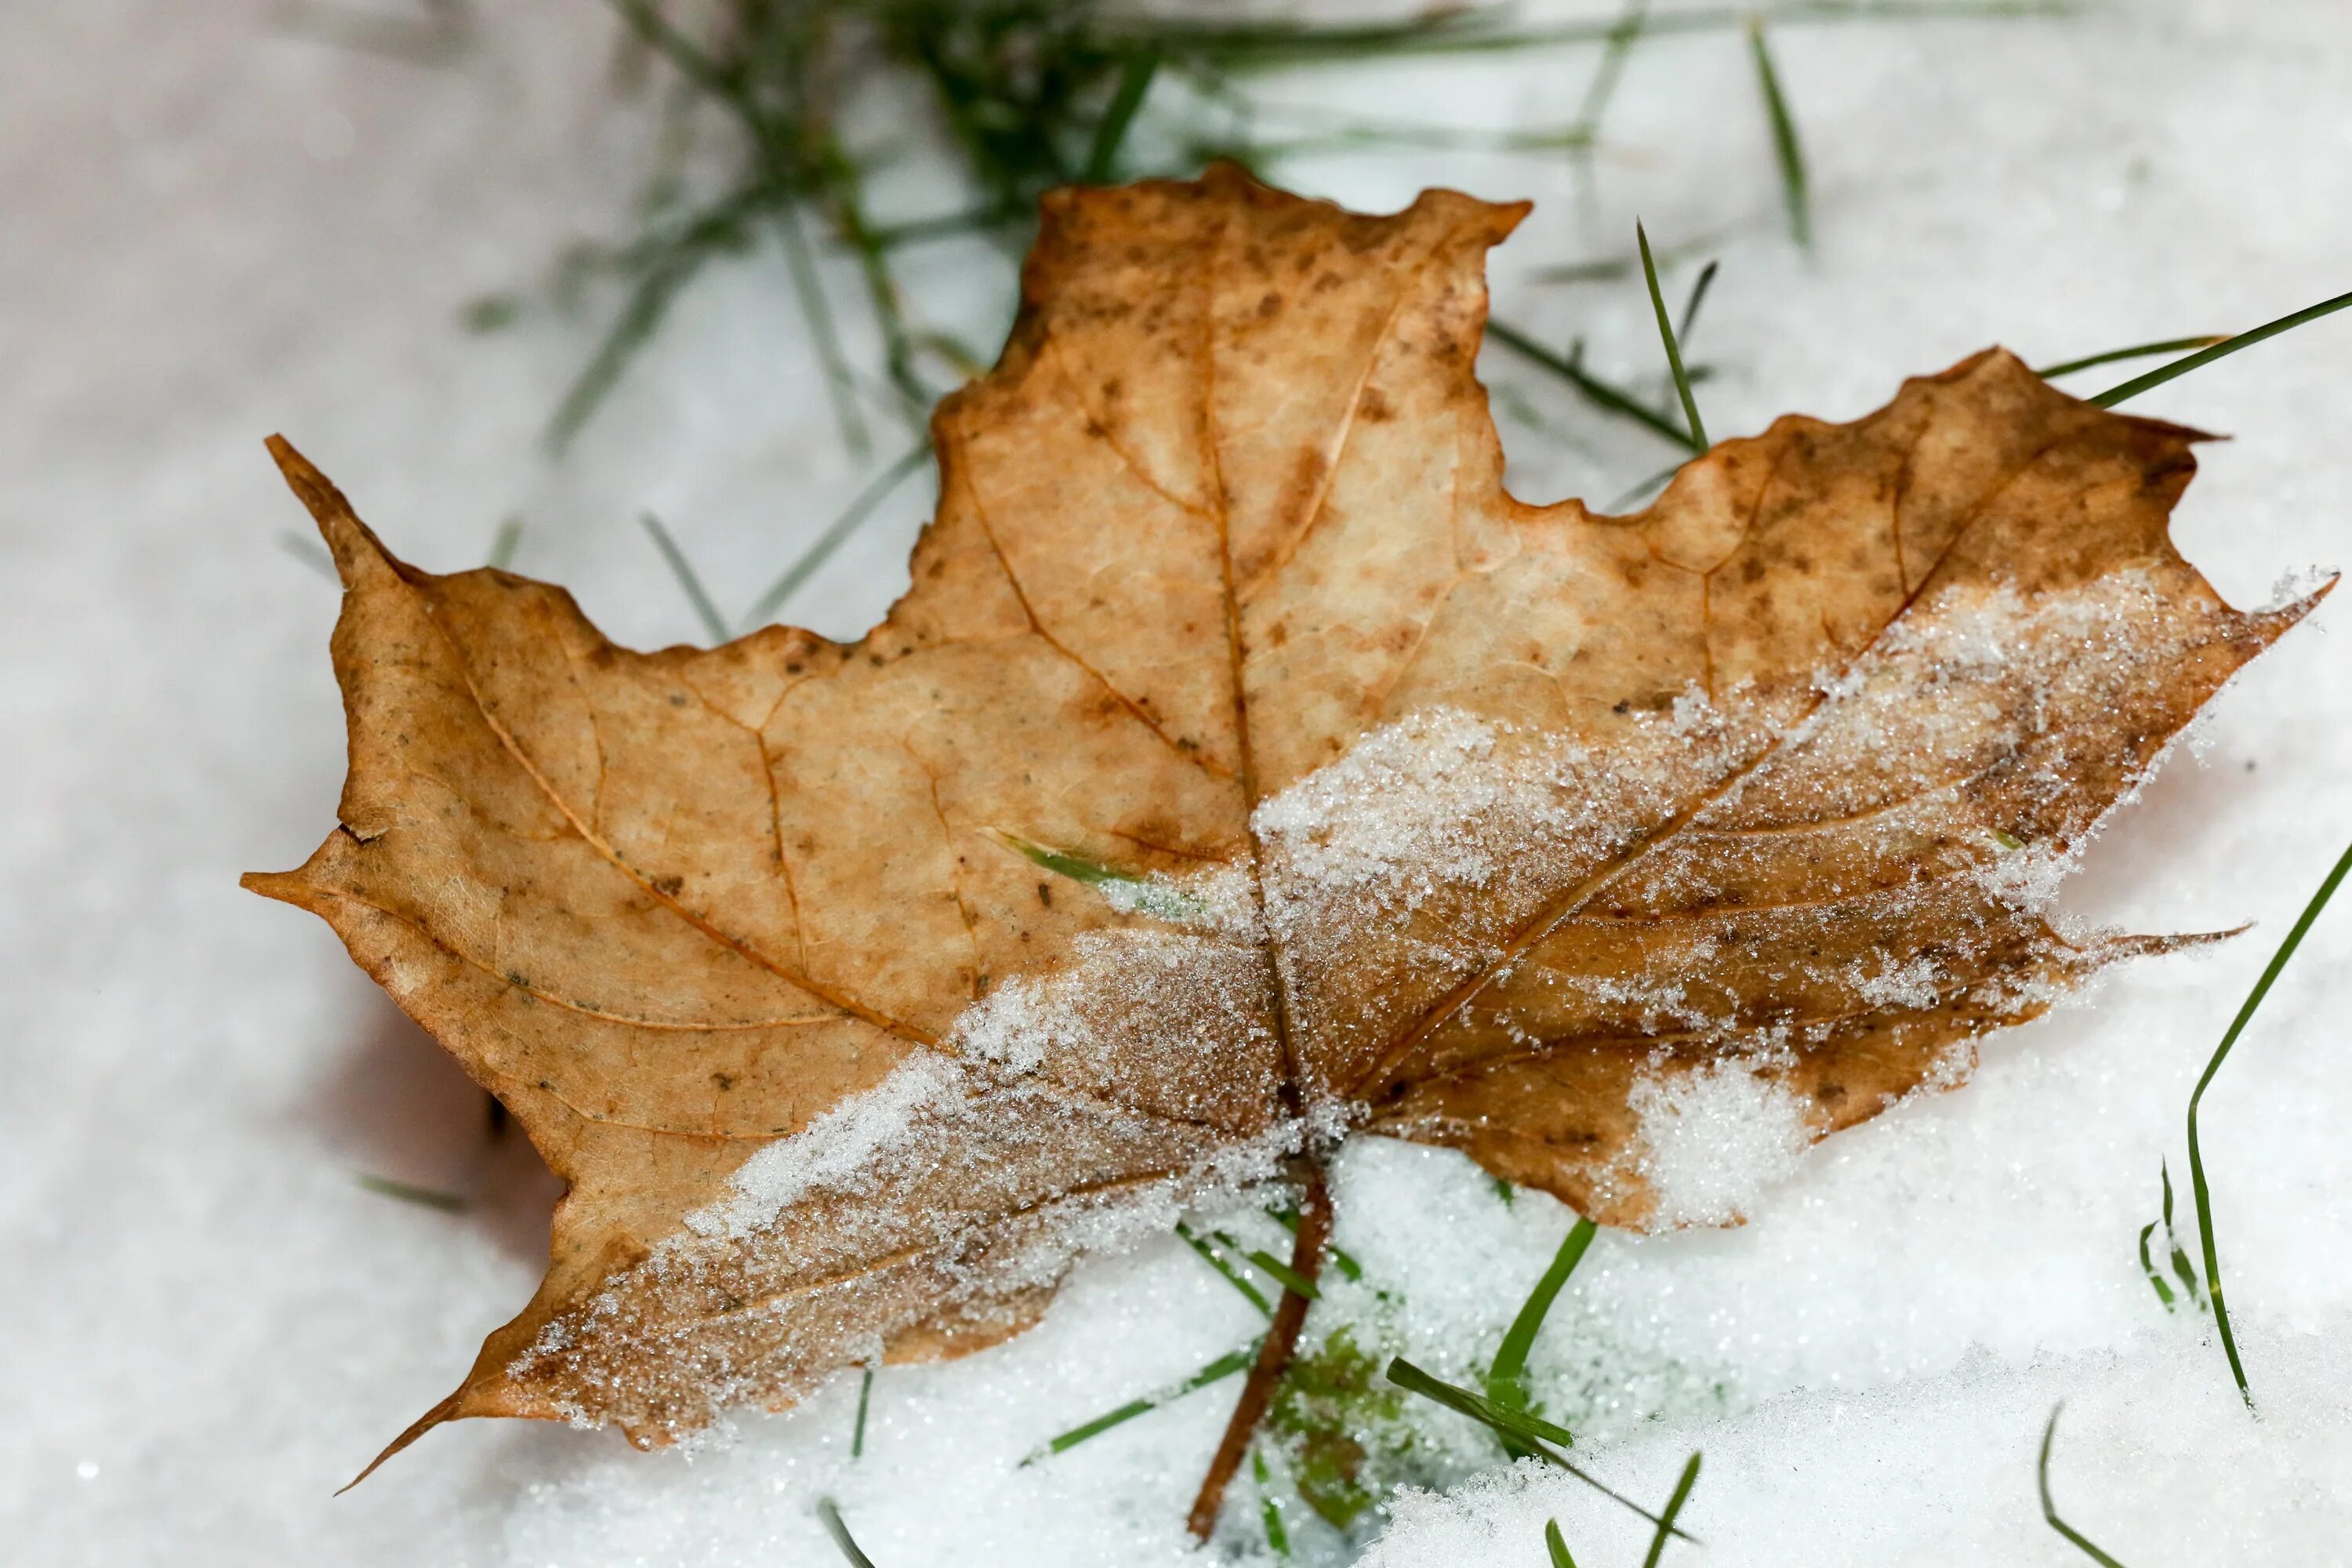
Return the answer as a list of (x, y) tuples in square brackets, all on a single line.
[(1134, 83), (831, 1515), (1556, 1545), (1697, 298), (1536, 1433), (2181, 1267), (1673, 351), (2165, 373), (2148, 1266), (2137, 351), (1595, 390), (1224, 1366), (1787, 150), (407, 1192), (311, 553), (1341, 1259), (508, 540), (1506, 1379), (2220, 1054), (1216, 1260), (840, 529), (865, 1398), (1674, 1506), (683, 569), (1283, 1275), (2050, 1509), (1269, 1507)]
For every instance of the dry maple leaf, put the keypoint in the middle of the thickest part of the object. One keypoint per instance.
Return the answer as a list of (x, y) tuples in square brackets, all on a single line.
[(1573, 842)]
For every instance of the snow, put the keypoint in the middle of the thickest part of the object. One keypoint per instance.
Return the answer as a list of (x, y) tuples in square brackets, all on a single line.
[(1711, 1141), (220, 230), (2154, 1461)]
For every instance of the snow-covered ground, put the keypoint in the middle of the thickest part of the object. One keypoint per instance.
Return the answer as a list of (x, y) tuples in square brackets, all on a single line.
[(215, 230)]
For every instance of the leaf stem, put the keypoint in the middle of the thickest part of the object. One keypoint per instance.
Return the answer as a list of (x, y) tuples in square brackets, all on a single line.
[(1274, 1351)]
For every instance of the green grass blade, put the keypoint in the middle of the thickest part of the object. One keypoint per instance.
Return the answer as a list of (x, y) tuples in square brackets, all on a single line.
[(1506, 1379), (1503, 1418), (831, 1515), (1269, 1507), (2181, 1267), (1134, 83), (2165, 373), (780, 591), (1787, 151), (816, 312), (1216, 1260), (1282, 1274), (1063, 862), (1596, 391), (1557, 1545), (1624, 34), (2220, 1054), (311, 553), (1476, 30), (1674, 1506), (1124, 890), (2137, 351), (683, 569), (1341, 1259), (662, 263), (647, 303), (1673, 351), (865, 1398), (1649, 487), (2148, 1267), (508, 540), (423, 1197), (1697, 298), (1224, 1366), (1537, 1433), (2050, 1509)]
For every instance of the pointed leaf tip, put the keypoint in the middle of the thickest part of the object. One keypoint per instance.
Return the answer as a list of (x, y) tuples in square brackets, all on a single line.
[(444, 1410), (347, 537)]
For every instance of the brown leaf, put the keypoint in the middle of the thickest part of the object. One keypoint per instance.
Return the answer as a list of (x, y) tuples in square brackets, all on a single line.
[(1623, 854)]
